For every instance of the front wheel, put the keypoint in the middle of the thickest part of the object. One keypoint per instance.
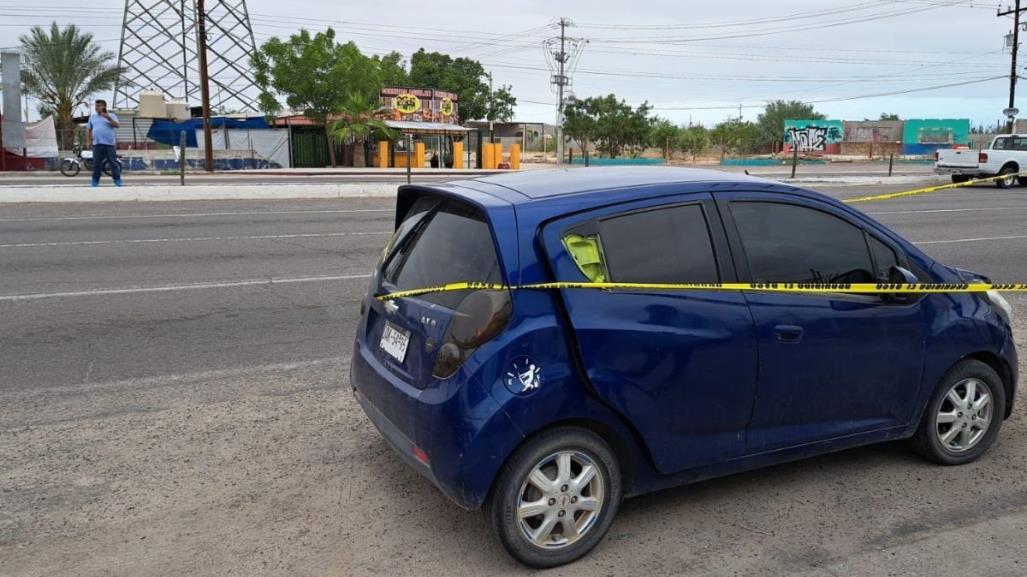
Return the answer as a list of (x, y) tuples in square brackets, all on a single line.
[(69, 167), (555, 498), (1007, 178), (963, 416)]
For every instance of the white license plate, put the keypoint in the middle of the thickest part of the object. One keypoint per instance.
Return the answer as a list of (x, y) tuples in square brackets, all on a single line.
[(394, 342)]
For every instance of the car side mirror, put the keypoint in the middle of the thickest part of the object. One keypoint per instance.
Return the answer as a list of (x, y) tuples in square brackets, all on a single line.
[(899, 275)]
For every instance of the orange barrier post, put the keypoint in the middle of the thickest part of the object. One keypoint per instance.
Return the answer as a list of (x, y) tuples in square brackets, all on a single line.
[(383, 153), (515, 156), (487, 152), (419, 155), (458, 155)]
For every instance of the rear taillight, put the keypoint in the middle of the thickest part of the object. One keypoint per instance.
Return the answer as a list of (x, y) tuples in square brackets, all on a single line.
[(481, 316), (982, 158)]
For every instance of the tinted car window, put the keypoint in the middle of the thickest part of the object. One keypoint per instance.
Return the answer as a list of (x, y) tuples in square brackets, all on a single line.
[(659, 246), (790, 243), (1000, 143), (451, 243), (884, 257)]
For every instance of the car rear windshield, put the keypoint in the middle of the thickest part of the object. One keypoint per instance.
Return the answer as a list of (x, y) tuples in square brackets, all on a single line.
[(438, 242)]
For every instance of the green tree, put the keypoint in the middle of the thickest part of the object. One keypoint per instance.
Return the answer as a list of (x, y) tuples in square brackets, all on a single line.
[(616, 127), (392, 69), (63, 68), (771, 123), (736, 135), (315, 74), (887, 116), (694, 139), (665, 135), (359, 118), (579, 123), (467, 79)]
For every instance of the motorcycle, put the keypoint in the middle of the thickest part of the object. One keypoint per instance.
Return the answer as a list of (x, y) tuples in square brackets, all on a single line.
[(84, 159)]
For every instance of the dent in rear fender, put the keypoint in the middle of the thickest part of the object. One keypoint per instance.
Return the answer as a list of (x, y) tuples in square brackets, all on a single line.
[(561, 396), (467, 438)]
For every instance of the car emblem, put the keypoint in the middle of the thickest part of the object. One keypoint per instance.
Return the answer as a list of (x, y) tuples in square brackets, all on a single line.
[(428, 322), (391, 307), (523, 376)]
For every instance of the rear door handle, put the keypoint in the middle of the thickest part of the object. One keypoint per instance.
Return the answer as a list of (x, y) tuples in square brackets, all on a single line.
[(788, 333)]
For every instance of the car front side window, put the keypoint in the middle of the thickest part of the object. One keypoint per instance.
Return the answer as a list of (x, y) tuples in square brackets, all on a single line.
[(792, 243)]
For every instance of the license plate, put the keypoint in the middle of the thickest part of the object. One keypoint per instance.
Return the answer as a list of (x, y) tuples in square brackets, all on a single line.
[(394, 342)]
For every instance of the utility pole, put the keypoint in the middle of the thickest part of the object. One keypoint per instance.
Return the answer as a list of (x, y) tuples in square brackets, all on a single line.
[(492, 128), (201, 50), (561, 53), (1015, 11), (561, 81)]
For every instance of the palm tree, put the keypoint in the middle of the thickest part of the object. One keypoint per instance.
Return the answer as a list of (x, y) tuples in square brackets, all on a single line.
[(63, 68), (359, 118)]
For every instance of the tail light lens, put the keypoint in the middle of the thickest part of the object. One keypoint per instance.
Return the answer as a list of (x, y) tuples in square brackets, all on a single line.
[(479, 318), (982, 158)]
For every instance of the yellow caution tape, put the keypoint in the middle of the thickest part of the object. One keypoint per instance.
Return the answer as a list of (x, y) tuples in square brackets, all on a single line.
[(927, 190), (856, 288)]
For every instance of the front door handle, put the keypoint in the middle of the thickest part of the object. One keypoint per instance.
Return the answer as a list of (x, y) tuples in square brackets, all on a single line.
[(788, 333)]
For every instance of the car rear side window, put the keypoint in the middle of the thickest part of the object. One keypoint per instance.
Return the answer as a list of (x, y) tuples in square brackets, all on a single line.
[(791, 243), (451, 243), (666, 245)]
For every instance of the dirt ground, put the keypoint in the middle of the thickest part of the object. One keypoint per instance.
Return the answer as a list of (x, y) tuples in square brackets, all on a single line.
[(276, 471)]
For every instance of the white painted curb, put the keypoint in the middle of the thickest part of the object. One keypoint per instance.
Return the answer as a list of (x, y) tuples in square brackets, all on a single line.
[(109, 193)]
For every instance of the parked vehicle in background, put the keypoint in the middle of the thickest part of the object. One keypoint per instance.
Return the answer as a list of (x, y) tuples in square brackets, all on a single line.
[(1006, 156), (960, 163), (546, 407), (83, 158)]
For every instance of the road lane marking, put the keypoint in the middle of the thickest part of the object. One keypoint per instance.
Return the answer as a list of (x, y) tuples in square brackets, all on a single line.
[(191, 214), (978, 239), (190, 239), (928, 211), (183, 287)]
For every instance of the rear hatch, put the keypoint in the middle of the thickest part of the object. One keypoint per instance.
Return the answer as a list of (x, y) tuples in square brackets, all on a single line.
[(438, 240)]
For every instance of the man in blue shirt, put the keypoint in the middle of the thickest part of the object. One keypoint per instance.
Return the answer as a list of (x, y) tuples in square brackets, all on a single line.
[(100, 132)]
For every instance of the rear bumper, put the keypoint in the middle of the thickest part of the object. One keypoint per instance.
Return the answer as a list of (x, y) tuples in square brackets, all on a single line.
[(957, 170), (456, 427)]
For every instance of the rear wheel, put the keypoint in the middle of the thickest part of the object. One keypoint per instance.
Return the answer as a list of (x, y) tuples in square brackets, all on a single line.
[(963, 416), (1007, 178), (69, 167), (555, 498)]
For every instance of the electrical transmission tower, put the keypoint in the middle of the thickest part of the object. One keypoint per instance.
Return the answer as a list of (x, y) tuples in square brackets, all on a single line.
[(562, 54), (159, 52)]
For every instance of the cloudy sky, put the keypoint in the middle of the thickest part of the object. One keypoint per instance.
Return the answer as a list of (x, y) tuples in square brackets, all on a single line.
[(692, 60)]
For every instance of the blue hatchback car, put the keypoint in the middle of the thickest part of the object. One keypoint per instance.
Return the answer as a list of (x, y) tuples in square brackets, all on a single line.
[(547, 407)]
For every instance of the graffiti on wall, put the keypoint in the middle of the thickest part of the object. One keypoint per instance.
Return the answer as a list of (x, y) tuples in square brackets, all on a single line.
[(813, 135)]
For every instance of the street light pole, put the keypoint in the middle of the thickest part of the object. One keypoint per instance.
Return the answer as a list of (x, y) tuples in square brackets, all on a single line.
[(1015, 11)]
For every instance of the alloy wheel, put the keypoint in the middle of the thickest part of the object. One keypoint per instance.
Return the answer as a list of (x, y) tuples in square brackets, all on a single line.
[(561, 499), (964, 415)]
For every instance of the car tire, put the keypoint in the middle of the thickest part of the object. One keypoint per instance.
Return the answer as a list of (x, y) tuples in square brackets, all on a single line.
[(1007, 180), (961, 440), (560, 504)]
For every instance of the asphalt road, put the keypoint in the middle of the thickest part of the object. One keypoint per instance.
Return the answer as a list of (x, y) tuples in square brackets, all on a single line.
[(174, 401)]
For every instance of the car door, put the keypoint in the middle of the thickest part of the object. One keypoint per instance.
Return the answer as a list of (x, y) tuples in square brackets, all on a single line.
[(679, 365), (834, 364)]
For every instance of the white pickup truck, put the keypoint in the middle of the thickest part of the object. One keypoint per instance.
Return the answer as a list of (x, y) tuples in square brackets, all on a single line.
[(1007, 155)]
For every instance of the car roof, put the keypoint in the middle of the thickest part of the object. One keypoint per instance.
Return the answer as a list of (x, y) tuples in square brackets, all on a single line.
[(541, 184)]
